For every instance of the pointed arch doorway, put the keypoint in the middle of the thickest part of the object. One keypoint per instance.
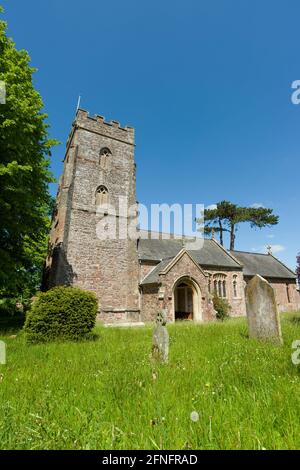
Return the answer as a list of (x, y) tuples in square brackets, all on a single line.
[(187, 300)]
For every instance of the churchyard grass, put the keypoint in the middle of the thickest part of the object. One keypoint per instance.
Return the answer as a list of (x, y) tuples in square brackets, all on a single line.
[(108, 394)]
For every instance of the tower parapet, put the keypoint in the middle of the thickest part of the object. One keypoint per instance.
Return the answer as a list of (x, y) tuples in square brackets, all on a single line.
[(98, 124)]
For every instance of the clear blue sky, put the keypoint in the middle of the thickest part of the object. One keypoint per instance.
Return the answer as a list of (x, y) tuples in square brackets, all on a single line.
[(206, 84)]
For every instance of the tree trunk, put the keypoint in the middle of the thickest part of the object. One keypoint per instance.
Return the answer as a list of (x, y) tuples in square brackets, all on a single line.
[(221, 233), (232, 236)]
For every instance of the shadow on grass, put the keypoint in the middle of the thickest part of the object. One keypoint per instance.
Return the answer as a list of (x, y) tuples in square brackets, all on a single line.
[(291, 317), (295, 319), (11, 324), (88, 338), (244, 334), (93, 336)]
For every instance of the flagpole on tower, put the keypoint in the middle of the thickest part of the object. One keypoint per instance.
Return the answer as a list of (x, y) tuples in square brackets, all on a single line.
[(78, 103)]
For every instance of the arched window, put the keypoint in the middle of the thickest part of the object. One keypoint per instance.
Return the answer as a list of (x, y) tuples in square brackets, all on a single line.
[(101, 196), (224, 289), (220, 288), (105, 157), (220, 285), (235, 290)]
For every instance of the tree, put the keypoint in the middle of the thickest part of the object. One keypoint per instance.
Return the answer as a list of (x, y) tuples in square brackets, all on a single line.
[(215, 220), (227, 217), (298, 269), (25, 149)]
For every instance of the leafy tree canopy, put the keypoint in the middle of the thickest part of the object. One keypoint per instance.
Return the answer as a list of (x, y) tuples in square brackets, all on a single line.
[(25, 149)]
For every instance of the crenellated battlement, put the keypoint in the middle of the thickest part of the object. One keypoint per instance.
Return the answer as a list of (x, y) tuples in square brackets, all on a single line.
[(97, 124)]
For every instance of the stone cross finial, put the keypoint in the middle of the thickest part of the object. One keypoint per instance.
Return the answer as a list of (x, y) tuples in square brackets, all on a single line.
[(161, 318), (269, 248)]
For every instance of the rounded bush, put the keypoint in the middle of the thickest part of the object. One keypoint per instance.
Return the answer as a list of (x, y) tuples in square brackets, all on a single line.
[(62, 312), (221, 307)]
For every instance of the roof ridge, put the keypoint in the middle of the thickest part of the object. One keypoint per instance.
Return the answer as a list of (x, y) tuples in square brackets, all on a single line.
[(270, 266), (173, 236), (250, 252)]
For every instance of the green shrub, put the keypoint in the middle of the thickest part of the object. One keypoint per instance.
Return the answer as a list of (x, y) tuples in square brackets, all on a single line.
[(222, 307), (62, 312)]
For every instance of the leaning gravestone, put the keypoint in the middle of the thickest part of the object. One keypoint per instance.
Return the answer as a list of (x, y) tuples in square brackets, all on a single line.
[(262, 312), (160, 347)]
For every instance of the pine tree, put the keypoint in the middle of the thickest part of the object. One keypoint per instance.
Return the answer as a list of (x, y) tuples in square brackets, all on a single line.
[(227, 217)]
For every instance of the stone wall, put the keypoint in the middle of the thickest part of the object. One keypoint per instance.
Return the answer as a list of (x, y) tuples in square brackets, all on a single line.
[(151, 305), (286, 295), (238, 305)]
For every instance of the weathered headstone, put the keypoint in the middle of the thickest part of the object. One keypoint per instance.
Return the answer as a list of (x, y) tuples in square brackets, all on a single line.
[(2, 352), (160, 347), (262, 312)]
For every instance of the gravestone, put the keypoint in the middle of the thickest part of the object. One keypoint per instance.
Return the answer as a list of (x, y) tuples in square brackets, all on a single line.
[(262, 312), (160, 347), (2, 352)]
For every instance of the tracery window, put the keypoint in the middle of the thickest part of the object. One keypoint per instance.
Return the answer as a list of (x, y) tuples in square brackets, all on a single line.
[(102, 196), (220, 287), (105, 157), (235, 288)]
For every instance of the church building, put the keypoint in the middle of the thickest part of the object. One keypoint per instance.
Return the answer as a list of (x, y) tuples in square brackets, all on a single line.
[(136, 277)]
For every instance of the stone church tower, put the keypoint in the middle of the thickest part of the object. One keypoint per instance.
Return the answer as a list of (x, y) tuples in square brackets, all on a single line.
[(99, 169)]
